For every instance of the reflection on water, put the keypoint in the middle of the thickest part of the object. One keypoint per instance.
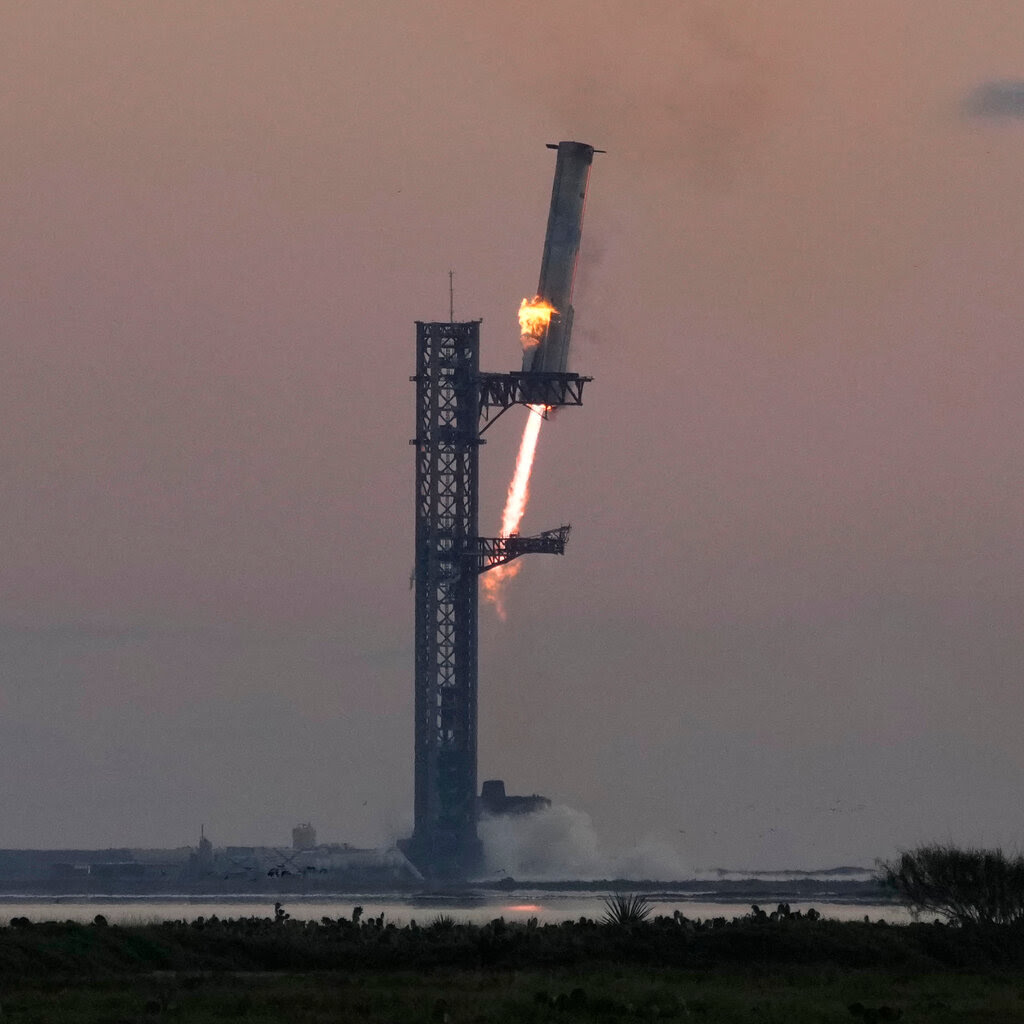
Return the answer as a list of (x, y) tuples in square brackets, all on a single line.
[(478, 908)]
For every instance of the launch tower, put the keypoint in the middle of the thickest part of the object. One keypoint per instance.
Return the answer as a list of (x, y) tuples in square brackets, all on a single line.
[(455, 405)]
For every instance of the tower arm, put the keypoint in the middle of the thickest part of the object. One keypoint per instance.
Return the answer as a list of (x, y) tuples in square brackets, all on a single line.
[(492, 551), (500, 391)]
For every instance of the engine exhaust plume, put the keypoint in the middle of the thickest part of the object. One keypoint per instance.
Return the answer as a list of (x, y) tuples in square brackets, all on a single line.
[(545, 327), (515, 507)]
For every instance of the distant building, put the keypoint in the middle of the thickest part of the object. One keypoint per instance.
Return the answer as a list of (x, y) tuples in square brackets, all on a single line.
[(494, 800), (303, 837), (200, 863), (305, 867)]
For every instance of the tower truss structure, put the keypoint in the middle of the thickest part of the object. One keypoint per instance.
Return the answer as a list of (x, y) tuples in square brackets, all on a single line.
[(455, 403)]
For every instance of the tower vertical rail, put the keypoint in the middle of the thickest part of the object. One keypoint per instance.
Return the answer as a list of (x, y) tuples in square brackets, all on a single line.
[(447, 441)]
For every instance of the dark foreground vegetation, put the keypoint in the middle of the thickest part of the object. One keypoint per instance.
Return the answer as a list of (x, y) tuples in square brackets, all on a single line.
[(777, 966), (968, 887)]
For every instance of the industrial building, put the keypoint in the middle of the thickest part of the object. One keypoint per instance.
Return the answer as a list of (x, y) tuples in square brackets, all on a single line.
[(206, 869)]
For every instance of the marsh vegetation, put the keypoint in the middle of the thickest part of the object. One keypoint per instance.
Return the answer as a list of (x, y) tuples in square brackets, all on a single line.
[(768, 965)]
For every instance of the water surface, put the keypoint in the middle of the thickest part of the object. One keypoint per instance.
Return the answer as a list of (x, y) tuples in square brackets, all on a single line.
[(478, 908)]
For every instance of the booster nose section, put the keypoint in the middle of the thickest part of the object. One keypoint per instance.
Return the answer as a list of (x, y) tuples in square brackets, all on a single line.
[(558, 265)]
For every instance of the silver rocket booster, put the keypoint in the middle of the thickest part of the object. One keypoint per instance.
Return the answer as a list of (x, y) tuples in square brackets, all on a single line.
[(558, 266)]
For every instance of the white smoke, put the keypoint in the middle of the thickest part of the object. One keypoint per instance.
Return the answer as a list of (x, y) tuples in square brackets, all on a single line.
[(559, 843)]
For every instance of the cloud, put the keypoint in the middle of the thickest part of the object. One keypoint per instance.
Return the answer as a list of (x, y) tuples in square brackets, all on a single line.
[(1001, 98)]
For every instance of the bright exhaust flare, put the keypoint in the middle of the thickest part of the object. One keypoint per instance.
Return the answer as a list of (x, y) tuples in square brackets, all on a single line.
[(515, 507), (534, 316)]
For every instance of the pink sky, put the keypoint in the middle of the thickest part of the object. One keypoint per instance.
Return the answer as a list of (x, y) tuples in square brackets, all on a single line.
[(794, 577)]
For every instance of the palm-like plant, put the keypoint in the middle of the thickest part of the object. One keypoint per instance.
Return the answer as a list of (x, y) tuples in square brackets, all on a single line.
[(626, 908)]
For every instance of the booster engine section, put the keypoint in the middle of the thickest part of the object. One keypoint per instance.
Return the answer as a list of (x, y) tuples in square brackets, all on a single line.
[(546, 336)]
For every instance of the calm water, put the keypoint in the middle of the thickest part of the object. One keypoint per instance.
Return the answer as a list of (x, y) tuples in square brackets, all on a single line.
[(477, 908)]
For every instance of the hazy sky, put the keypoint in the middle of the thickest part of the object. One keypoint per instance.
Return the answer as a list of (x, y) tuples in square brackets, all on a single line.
[(788, 627)]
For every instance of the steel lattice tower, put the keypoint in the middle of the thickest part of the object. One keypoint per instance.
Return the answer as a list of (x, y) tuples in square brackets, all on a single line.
[(447, 456), (455, 404)]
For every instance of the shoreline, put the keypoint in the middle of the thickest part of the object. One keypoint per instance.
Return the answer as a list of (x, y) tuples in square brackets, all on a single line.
[(718, 890)]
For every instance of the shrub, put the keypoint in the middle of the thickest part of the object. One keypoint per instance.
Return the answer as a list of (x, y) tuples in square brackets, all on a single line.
[(625, 908), (981, 887)]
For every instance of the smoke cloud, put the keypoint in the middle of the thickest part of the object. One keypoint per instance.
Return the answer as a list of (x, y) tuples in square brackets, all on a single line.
[(691, 85), (560, 842)]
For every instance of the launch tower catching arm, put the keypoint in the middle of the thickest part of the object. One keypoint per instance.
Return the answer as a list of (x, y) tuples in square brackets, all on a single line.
[(493, 551)]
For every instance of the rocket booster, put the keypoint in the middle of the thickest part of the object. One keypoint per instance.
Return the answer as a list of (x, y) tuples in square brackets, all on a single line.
[(550, 354)]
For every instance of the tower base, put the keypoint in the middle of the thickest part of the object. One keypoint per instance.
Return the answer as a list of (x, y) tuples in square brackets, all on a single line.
[(445, 858)]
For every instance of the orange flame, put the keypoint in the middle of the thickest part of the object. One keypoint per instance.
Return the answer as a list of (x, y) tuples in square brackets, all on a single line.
[(534, 317), (515, 507)]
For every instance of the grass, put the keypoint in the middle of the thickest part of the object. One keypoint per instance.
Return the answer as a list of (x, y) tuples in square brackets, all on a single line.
[(628, 935), (531, 997), (761, 968)]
